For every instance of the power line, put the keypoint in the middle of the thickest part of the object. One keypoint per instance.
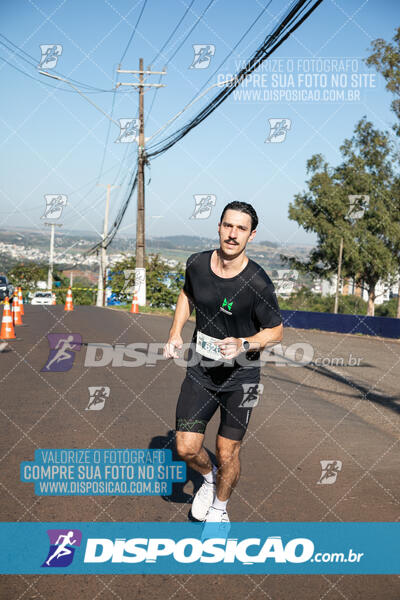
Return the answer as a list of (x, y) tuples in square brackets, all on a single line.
[(180, 46), (134, 31), (217, 70), (191, 30), (233, 49), (115, 89), (33, 63), (173, 32), (270, 45), (296, 15)]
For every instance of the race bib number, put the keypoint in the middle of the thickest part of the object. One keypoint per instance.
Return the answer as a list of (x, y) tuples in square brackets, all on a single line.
[(206, 346)]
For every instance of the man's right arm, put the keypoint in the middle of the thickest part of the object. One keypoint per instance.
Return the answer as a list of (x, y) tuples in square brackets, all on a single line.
[(183, 310)]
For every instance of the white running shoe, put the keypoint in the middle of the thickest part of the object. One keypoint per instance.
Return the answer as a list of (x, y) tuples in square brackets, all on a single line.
[(216, 515), (203, 500), (216, 524)]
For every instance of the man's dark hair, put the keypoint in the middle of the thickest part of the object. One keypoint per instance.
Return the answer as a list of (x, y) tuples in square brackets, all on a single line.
[(245, 208)]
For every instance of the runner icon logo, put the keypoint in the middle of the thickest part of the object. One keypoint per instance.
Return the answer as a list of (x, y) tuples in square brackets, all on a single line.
[(251, 394), (97, 397), (203, 54), (203, 205), (129, 130), (330, 470), (50, 55), (226, 306), (54, 206), (63, 543), (278, 130), (62, 351)]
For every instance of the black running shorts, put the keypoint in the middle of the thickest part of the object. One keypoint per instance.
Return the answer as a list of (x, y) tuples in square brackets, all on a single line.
[(196, 405)]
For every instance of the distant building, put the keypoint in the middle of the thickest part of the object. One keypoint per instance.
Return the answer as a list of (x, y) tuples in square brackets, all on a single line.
[(348, 287)]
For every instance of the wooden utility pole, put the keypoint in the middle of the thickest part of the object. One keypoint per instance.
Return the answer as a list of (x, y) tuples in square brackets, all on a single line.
[(140, 223), (140, 272)]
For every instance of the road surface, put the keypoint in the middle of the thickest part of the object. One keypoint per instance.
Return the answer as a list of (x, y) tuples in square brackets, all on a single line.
[(323, 410)]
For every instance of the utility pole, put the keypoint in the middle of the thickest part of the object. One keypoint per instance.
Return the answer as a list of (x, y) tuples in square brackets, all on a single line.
[(358, 204), (338, 276), (103, 251), (51, 257), (140, 271)]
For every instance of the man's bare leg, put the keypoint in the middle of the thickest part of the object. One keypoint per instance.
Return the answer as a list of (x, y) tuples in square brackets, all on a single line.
[(190, 448), (228, 466)]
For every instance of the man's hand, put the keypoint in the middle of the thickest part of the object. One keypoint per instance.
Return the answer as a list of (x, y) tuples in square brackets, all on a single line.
[(175, 341), (230, 347)]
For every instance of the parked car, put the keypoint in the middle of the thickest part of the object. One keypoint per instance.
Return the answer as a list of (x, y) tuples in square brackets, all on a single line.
[(6, 288), (42, 298)]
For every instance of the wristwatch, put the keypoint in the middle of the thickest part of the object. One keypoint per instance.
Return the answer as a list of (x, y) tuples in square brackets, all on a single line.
[(245, 344)]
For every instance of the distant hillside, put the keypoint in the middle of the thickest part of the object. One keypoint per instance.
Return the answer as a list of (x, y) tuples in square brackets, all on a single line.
[(184, 242), (266, 243)]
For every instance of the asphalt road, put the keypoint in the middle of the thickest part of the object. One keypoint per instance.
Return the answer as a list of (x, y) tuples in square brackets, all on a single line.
[(306, 414)]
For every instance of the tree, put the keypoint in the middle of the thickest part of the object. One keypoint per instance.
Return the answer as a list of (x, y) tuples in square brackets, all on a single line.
[(162, 284), (368, 242), (385, 58), (28, 275)]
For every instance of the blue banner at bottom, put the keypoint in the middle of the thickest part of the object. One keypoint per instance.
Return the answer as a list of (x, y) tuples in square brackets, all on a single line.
[(281, 548)]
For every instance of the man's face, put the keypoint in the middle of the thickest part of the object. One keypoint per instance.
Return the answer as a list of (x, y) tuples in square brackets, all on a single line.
[(234, 232)]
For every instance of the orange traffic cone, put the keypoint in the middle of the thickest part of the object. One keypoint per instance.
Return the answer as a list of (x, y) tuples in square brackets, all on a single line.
[(68, 303), (16, 313), (7, 330), (21, 301), (54, 302), (135, 304)]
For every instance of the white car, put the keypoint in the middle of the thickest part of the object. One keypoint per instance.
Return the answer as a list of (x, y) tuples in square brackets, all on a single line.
[(42, 298)]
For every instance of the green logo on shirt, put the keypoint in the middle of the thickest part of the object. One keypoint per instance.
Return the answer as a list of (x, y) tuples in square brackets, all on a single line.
[(226, 306)]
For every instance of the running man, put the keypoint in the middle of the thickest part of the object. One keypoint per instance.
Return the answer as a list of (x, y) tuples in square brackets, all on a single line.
[(237, 315), (63, 345), (62, 549)]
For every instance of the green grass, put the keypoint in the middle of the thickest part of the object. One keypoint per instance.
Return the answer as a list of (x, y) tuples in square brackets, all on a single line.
[(149, 310)]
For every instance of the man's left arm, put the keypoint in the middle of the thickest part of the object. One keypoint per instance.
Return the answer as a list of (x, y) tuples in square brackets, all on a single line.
[(232, 347), (265, 337)]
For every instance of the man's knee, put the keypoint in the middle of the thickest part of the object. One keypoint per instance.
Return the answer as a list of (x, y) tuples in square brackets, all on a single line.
[(187, 446), (227, 451)]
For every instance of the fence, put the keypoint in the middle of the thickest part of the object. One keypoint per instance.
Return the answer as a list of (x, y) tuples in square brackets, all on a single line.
[(340, 323)]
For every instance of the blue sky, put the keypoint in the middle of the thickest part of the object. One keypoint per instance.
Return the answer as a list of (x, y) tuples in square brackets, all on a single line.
[(53, 140)]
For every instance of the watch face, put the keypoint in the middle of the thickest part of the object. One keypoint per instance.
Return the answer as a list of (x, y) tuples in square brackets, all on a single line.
[(246, 344)]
